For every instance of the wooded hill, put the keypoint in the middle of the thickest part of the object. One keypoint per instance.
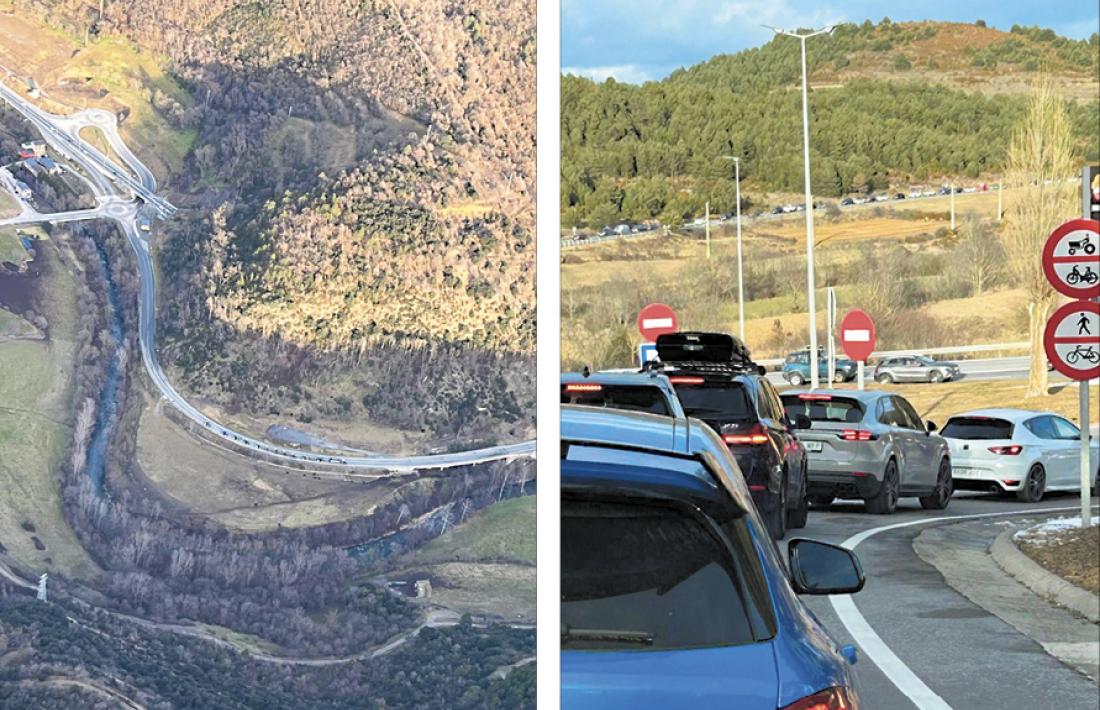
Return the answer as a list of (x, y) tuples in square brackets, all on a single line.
[(360, 185), (884, 110)]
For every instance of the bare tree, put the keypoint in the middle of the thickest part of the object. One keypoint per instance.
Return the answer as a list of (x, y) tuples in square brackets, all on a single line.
[(980, 255), (1040, 159)]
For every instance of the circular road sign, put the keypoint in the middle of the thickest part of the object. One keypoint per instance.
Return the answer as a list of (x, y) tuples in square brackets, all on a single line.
[(657, 319), (1072, 340), (1071, 258), (857, 334)]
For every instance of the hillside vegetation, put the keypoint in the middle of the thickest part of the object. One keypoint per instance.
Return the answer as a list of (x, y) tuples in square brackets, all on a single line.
[(886, 110), (356, 183)]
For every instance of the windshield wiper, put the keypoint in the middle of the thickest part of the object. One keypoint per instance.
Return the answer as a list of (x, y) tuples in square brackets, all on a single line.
[(624, 636)]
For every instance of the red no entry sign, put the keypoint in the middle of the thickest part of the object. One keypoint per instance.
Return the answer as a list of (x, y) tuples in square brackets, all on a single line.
[(657, 319), (1072, 340), (857, 334), (1071, 258)]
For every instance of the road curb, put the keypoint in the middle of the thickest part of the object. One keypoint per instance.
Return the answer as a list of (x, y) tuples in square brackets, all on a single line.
[(1041, 581)]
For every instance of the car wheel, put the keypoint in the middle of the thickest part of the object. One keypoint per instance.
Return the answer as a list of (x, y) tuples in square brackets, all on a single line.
[(777, 517), (796, 379), (945, 486), (838, 377), (821, 501), (1035, 485), (797, 517), (936, 376), (885, 378), (886, 500)]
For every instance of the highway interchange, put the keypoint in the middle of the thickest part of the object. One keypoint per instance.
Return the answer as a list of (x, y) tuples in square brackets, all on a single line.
[(122, 195)]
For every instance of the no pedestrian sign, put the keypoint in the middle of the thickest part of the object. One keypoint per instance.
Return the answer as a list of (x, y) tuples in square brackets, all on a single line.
[(1072, 340), (1071, 258)]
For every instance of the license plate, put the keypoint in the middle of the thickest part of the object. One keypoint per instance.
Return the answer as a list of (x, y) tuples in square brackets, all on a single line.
[(814, 446), (963, 471)]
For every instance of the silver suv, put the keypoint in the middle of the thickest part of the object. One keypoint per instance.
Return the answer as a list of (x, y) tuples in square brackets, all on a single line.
[(870, 445), (914, 368)]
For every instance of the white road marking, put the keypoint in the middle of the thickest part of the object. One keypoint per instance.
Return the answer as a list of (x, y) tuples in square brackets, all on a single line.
[(872, 644)]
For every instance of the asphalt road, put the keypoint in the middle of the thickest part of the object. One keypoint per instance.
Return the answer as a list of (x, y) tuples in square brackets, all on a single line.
[(979, 369), (950, 652), (115, 188)]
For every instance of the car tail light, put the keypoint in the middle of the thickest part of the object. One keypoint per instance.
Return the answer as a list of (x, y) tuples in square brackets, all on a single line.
[(857, 435), (583, 388), (1013, 450), (686, 380), (812, 396), (839, 698), (755, 435), (1010, 483)]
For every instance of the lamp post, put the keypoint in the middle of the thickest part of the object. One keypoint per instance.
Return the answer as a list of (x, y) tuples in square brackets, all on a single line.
[(740, 273), (811, 301)]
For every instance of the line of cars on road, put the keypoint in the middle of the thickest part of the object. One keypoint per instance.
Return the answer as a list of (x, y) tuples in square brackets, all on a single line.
[(676, 480), (806, 448), (896, 368)]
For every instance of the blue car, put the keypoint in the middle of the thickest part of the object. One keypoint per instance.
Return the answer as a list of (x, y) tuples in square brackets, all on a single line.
[(673, 595), (796, 368)]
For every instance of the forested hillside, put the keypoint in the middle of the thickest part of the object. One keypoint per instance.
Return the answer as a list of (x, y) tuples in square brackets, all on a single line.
[(359, 186), (885, 109)]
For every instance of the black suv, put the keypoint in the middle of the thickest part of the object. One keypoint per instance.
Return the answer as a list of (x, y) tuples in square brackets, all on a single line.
[(717, 381)]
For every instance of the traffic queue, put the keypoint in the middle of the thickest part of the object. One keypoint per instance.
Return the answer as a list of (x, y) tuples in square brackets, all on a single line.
[(678, 479)]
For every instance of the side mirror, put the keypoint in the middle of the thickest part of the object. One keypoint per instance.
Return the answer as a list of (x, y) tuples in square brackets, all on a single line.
[(930, 426), (821, 568), (801, 421)]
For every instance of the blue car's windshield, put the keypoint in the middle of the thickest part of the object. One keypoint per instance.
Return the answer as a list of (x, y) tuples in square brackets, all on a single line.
[(641, 576)]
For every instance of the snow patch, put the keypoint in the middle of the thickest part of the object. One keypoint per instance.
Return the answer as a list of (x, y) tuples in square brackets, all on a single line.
[(1044, 532)]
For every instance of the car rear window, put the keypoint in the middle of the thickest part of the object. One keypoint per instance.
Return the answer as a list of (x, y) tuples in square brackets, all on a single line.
[(636, 398), (648, 576), (824, 408), (715, 400), (977, 428)]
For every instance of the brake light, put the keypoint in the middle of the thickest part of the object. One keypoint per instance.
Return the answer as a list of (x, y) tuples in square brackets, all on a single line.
[(811, 396), (857, 435), (583, 388), (686, 380), (1013, 450), (756, 435), (829, 699)]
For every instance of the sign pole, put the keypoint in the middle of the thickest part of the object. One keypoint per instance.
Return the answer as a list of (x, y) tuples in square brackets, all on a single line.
[(707, 218), (830, 324), (859, 373), (1083, 385)]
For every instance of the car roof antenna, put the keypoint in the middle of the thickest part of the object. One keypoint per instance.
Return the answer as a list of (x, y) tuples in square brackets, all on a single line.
[(585, 372)]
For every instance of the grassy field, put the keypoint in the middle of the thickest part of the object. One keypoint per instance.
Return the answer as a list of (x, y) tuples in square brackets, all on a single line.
[(242, 493), (12, 327), (35, 387), (9, 206), (485, 565), (503, 531), (11, 247)]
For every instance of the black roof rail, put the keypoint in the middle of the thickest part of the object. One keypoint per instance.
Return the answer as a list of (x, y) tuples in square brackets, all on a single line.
[(707, 367)]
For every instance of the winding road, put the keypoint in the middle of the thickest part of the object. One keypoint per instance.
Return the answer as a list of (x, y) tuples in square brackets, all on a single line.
[(122, 197)]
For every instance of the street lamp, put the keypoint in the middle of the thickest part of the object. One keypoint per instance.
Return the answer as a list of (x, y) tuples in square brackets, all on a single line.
[(740, 274), (809, 199)]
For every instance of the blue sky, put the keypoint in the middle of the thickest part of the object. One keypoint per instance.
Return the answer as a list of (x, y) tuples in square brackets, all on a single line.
[(636, 40)]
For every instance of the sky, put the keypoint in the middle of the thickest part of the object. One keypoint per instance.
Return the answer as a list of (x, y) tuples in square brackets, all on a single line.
[(639, 40)]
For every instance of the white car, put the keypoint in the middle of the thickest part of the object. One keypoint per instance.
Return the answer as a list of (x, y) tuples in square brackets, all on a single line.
[(1018, 450)]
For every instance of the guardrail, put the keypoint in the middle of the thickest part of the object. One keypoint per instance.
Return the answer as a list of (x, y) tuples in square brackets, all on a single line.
[(992, 347)]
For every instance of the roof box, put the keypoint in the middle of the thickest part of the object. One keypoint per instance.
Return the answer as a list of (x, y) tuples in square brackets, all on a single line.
[(701, 347)]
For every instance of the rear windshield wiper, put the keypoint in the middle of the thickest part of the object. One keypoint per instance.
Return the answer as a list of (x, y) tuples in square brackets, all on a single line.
[(624, 636)]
